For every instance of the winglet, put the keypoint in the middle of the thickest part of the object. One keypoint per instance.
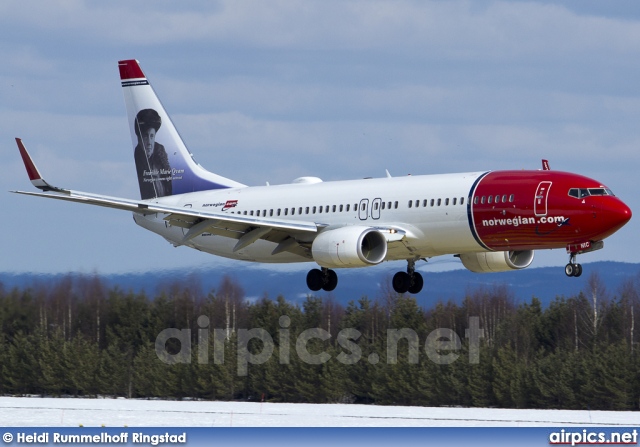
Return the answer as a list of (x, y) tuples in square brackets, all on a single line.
[(32, 170)]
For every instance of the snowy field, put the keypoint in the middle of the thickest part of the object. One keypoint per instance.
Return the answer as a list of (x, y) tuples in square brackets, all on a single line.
[(52, 412)]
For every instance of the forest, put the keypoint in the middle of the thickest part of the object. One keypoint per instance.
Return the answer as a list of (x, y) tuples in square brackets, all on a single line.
[(76, 337)]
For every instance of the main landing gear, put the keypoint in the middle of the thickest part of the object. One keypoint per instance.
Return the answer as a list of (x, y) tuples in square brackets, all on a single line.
[(324, 279), (411, 281), (572, 268)]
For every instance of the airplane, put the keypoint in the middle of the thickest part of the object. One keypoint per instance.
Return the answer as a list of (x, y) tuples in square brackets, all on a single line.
[(493, 221)]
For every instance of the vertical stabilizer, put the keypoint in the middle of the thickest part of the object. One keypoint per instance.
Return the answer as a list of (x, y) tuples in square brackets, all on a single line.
[(164, 164)]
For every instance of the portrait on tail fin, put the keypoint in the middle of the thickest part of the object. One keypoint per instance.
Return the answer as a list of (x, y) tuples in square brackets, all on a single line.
[(152, 163)]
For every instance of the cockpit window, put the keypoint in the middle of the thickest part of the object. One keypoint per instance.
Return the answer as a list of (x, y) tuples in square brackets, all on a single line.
[(600, 192), (579, 193)]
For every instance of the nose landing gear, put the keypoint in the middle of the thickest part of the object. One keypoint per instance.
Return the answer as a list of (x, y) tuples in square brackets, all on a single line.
[(324, 279), (411, 281), (572, 268)]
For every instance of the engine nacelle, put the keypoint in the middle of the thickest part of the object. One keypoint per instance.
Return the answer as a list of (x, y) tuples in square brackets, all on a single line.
[(352, 246), (497, 261)]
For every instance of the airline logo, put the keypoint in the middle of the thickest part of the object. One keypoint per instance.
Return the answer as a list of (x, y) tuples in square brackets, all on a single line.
[(230, 204)]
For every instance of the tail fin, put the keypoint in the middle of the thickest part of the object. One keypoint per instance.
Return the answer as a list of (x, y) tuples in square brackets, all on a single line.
[(164, 164)]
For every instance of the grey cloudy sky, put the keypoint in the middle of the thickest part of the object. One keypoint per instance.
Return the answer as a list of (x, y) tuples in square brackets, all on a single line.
[(273, 90)]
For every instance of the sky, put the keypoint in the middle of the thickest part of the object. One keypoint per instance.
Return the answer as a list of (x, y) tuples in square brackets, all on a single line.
[(338, 89)]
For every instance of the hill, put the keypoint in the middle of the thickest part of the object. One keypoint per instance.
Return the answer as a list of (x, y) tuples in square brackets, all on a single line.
[(545, 283)]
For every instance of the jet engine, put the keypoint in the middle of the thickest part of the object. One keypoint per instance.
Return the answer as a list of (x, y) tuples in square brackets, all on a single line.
[(497, 261), (351, 246)]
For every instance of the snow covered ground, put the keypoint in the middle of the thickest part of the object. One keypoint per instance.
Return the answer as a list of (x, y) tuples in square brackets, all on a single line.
[(52, 412)]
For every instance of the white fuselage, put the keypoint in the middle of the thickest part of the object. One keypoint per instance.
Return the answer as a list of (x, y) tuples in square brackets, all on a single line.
[(438, 225)]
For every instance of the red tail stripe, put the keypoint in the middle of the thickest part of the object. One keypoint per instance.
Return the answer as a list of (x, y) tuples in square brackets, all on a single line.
[(130, 69)]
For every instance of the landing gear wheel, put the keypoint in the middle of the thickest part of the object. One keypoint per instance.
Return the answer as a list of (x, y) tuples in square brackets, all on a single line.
[(401, 282), (416, 284), (577, 270), (574, 270), (331, 281), (568, 269), (315, 280)]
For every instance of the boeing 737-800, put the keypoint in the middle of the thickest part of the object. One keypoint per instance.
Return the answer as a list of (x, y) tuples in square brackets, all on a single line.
[(493, 221)]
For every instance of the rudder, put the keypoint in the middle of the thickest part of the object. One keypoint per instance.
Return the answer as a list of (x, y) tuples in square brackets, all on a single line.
[(163, 163)]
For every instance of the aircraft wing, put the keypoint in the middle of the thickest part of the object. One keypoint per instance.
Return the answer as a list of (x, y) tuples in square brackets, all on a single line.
[(290, 235), (246, 229)]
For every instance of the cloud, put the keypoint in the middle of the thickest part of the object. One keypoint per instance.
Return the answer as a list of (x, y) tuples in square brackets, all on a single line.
[(452, 29), (269, 91)]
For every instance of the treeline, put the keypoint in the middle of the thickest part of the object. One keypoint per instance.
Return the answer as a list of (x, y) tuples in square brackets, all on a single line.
[(77, 337)]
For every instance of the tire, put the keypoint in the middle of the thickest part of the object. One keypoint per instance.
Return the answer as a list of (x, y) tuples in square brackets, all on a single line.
[(569, 270), (578, 270), (401, 282), (314, 280), (332, 281), (416, 284)]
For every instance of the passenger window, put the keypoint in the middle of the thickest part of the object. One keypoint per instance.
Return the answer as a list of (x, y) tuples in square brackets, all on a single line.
[(278, 211), (482, 200), (475, 200), (446, 201), (504, 198), (341, 206), (424, 203), (395, 204), (375, 206), (319, 210), (314, 210), (348, 206), (439, 202), (511, 198), (383, 203), (433, 202), (286, 211), (454, 200), (334, 208), (306, 210), (490, 199), (410, 202), (389, 205), (461, 200)]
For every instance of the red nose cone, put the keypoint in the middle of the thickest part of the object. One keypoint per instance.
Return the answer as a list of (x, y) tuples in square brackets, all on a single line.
[(617, 215), (624, 213)]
